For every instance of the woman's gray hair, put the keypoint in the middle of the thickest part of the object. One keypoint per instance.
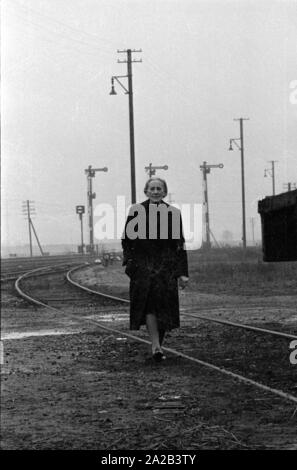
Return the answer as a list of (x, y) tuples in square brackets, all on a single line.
[(154, 179)]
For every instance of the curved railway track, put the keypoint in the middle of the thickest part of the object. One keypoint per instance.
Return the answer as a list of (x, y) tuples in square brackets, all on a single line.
[(13, 268), (189, 352)]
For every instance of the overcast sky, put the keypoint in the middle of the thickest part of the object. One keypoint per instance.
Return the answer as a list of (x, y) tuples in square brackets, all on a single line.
[(204, 63)]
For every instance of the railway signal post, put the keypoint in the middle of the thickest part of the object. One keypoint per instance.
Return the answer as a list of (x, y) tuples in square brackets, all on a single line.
[(205, 168), (91, 172), (80, 210), (151, 169)]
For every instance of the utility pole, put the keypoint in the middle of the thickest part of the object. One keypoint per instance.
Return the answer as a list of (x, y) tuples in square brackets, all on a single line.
[(271, 172), (38, 242), (205, 168), (90, 172), (28, 211), (129, 91), (241, 148), (131, 125), (290, 186), (252, 219), (152, 169)]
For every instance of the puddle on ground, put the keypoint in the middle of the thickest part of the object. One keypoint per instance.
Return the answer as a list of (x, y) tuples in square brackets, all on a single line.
[(28, 334), (107, 317)]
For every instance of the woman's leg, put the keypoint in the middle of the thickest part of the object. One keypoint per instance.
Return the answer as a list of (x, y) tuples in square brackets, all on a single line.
[(161, 336), (152, 327)]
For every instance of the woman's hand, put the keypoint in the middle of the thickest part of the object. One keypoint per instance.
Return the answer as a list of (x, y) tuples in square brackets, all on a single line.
[(183, 281)]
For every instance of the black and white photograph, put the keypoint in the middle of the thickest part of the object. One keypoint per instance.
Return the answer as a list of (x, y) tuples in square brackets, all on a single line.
[(149, 228)]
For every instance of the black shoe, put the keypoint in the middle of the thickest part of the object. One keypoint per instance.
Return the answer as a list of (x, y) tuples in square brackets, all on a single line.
[(158, 356)]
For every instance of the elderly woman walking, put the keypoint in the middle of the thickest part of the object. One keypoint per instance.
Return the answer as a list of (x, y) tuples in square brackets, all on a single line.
[(156, 261)]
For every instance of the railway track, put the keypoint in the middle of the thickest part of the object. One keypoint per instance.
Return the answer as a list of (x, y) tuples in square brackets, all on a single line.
[(12, 276), (227, 347), (13, 268), (54, 287)]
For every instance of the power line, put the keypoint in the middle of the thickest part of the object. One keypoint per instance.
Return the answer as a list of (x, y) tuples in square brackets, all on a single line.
[(50, 40), (65, 26)]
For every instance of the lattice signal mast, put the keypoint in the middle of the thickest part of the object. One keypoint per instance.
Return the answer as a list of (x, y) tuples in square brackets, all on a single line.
[(91, 172), (205, 168), (151, 169)]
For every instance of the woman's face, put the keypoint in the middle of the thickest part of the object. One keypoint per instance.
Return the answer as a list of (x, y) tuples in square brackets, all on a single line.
[(155, 191)]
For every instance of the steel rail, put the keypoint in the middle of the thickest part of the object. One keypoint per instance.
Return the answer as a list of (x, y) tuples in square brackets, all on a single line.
[(241, 325), (238, 377), (27, 274), (7, 279), (200, 317), (224, 322), (91, 291)]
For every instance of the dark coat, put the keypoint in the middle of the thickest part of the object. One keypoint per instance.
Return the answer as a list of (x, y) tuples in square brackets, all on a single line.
[(153, 264)]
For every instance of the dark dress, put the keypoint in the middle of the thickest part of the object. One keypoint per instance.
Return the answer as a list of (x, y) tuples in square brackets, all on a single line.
[(153, 264)]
